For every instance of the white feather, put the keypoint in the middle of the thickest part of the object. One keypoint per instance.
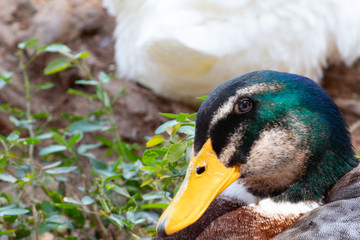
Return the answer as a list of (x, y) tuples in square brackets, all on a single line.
[(184, 49)]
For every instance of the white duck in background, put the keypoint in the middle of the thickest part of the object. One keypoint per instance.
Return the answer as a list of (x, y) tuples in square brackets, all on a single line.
[(183, 49)]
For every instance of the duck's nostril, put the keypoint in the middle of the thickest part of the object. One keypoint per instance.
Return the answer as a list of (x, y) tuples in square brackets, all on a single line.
[(200, 170)]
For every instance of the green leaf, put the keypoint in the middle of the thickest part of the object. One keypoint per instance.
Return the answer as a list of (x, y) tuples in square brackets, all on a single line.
[(76, 92), (119, 190), (52, 149), (86, 126), (155, 195), (175, 151), (66, 205), (55, 164), (84, 147), (82, 55), (13, 136), (87, 200), (118, 94), (146, 182), (155, 140), (24, 45), (182, 117), (61, 170), (44, 86), (44, 136), (75, 139), (148, 168), (149, 157), (59, 138), (154, 205), (169, 115), (202, 98), (7, 178), (104, 78), (7, 232), (87, 82), (22, 232), (164, 126), (56, 66), (6, 76), (71, 200), (13, 212), (58, 48), (71, 238), (188, 130), (175, 129)]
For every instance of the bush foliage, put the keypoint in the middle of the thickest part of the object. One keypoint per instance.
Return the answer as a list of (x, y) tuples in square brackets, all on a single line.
[(50, 189)]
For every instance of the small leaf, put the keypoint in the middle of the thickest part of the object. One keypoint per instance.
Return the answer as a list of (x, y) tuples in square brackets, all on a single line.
[(181, 117), (75, 139), (59, 48), (86, 126), (164, 126), (155, 205), (146, 182), (59, 138), (169, 115), (155, 140), (148, 168), (44, 136), (86, 82), (202, 98), (82, 55), (7, 178), (56, 66), (24, 45), (76, 92), (155, 195), (149, 157), (6, 76), (104, 78), (44, 86), (175, 152), (61, 170), (87, 200), (175, 129), (188, 130), (118, 94), (52, 149), (120, 190), (66, 205), (13, 212), (13, 136), (71, 200), (55, 164)]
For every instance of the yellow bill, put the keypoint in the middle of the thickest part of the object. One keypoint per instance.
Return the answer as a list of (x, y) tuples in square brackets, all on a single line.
[(206, 178)]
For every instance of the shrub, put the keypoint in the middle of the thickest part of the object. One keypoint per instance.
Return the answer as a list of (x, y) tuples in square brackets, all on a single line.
[(51, 191)]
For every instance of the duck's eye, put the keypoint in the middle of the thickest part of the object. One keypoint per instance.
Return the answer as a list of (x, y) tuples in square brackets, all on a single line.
[(244, 105), (200, 170)]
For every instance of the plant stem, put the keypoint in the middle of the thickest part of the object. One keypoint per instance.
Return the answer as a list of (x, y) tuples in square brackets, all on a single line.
[(23, 67)]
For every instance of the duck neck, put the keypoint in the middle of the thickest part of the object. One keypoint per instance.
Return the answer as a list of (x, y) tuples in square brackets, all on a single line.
[(322, 173)]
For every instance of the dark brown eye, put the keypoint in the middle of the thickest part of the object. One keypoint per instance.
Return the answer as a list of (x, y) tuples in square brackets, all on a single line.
[(244, 106), (200, 170)]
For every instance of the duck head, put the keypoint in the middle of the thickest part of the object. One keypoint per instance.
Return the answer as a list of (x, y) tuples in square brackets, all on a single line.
[(263, 135)]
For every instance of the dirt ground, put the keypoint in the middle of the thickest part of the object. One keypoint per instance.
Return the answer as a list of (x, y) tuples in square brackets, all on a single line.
[(84, 25)]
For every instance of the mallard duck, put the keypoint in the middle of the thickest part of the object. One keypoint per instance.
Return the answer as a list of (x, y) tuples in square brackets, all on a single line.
[(183, 49), (271, 148)]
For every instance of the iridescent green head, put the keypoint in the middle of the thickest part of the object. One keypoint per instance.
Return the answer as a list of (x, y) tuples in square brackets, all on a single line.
[(283, 129)]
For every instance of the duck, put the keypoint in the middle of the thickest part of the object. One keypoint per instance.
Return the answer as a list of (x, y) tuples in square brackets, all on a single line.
[(272, 158), (184, 49)]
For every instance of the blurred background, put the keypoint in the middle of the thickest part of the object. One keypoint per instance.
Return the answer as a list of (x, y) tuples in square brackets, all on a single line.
[(86, 25)]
